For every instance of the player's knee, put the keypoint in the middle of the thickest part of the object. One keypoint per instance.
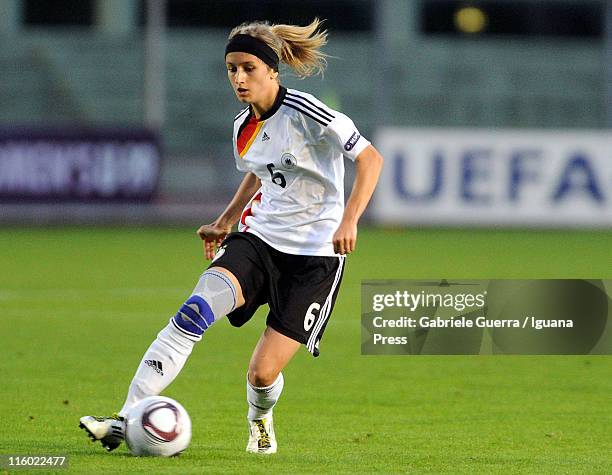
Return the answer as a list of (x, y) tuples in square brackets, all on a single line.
[(212, 299), (261, 376), (194, 317)]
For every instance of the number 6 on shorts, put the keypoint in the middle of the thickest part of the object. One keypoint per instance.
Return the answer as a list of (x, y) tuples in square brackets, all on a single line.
[(310, 318)]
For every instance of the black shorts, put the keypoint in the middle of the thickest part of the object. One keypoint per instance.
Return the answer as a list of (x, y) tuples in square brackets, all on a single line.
[(300, 290)]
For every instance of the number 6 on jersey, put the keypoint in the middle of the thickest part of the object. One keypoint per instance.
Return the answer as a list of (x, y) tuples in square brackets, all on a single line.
[(277, 177)]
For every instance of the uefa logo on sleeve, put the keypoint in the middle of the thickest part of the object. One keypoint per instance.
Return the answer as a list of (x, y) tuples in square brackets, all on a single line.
[(348, 146)]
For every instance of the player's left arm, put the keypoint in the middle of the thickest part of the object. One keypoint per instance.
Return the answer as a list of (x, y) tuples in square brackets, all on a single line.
[(368, 166)]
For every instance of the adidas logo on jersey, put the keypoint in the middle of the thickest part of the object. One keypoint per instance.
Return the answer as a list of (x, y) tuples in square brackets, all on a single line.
[(155, 365), (265, 137)]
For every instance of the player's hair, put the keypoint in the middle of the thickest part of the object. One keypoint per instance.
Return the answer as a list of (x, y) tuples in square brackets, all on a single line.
[(296, 46)]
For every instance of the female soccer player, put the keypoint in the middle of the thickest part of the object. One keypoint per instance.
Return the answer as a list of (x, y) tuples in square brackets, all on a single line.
[(293, 228)]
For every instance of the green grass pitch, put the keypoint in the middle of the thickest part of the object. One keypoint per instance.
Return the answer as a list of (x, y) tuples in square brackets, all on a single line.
[(79, 306)]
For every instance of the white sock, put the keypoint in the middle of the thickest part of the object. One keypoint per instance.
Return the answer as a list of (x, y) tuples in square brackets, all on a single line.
[(262, 400), (161, 363), (214, 297)]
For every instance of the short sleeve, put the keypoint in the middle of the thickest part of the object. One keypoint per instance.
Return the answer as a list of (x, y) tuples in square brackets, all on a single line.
[(342, 134)]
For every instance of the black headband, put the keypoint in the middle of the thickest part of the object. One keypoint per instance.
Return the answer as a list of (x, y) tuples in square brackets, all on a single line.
[(254, 46)]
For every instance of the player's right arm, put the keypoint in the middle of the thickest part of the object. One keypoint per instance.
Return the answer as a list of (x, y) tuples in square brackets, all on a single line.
[(213, 234)]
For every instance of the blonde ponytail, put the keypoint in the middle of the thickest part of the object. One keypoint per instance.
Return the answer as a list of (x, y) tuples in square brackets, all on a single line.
[(296, 46)]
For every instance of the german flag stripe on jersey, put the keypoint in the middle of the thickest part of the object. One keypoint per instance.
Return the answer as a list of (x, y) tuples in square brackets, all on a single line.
[(247, 135)]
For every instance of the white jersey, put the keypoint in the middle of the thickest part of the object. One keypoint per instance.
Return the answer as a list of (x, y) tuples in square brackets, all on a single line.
[(296, 149)]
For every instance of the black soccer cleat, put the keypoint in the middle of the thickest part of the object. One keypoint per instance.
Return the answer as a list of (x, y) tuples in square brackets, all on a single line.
[(110, 431)]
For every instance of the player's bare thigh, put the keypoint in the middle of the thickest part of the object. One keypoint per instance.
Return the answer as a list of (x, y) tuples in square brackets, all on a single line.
[(273, 351), (232, 278)]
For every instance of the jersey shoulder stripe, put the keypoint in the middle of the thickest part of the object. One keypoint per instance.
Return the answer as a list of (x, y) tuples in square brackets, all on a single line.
[(310, 109), (306, 113), (324, 122), (326, 112), (240, 114)]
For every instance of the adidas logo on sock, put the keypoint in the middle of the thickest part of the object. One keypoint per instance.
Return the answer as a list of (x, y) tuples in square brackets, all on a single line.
[(156, 365), (265, 137)]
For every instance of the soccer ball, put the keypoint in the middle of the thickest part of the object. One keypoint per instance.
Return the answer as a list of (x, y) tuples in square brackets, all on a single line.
[(157, 426)]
